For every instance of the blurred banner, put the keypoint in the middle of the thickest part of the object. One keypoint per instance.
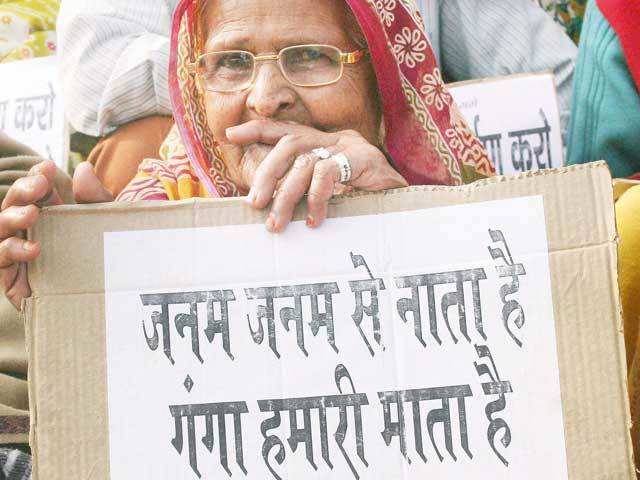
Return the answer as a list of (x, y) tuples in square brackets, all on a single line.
[(517, 118), (31, 108), (429, 12)]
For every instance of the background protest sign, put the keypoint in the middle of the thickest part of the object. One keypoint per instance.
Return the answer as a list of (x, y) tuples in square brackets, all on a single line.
[(31, 109), (163, 346), (516, 118)]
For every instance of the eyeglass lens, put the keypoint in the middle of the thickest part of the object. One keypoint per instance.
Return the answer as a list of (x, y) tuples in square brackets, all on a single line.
[(306, 65)]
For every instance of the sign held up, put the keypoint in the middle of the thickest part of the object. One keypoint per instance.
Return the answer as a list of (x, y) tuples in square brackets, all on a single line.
[(456, 301), (397, 341)]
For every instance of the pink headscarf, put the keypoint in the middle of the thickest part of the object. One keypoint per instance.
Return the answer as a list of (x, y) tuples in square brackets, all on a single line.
[(425, 134)]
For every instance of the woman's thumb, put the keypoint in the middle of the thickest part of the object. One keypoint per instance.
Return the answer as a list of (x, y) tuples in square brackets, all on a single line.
[(87, 188)]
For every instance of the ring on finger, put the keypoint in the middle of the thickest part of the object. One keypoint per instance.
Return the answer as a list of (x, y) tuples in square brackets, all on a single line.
[(322, 153), (344, 166)]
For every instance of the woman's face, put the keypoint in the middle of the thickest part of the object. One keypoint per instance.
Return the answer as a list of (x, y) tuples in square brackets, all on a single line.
[(266, 27)]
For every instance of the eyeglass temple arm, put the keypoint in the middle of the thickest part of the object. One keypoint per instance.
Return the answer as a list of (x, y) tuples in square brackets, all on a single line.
[(353, 57)]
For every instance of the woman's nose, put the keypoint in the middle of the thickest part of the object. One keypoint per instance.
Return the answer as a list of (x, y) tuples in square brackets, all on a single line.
[(271, 93)]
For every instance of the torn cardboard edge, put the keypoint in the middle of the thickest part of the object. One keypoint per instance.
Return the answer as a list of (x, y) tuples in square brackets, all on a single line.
[(581, 234)]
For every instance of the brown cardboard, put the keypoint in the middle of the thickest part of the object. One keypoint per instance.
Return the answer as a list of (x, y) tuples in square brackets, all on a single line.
[(66, 336)]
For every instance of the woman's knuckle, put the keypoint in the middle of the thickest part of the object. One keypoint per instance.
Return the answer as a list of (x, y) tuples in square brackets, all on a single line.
[(323, 170), (260, 123), (6, 249), (302, 162), (21, 184), (314, 197), (351, 133), (290, 140)]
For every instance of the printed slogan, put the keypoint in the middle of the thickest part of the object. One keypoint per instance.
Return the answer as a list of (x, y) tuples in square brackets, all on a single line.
[(384, 346)]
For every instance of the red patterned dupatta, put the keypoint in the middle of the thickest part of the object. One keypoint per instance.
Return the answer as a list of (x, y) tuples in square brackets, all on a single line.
[(425, 134)]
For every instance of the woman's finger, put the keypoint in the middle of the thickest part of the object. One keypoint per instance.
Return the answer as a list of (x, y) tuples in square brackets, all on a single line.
[(370, 170), (15, 250), (278, 162), (252, 157), (27, 190), (265, 131), (15, 219), (291, 191), (20, 288), (87, 187), (36, 187), (325, 176)]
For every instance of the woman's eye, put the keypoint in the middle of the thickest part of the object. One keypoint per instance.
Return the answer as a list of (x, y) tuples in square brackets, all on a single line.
[(308, 55), (234, 62)]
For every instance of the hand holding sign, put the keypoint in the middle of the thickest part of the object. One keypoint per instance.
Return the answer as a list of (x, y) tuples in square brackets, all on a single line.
[(20, 211), (300, 171)]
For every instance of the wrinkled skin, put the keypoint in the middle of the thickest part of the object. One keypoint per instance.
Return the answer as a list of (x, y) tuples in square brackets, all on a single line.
[(266, 132), (343, 117)]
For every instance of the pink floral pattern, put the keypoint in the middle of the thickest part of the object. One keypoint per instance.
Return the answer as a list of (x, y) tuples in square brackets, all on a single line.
[(410, 47), (385, 9), (434, 90)]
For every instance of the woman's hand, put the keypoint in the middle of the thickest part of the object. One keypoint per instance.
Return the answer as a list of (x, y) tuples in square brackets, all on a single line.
[(291, 169), (20, 211)]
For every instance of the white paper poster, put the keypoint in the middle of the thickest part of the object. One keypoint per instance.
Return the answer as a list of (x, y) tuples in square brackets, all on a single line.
[(396, 346), (31, 108), (517, 119)]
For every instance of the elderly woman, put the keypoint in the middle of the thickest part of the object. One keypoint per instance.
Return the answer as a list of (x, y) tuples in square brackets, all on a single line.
[(275, 101), (272, 111)]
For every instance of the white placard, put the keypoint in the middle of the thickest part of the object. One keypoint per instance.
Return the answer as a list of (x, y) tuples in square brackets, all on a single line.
[(31, 107), (517, 119), (168, 391)]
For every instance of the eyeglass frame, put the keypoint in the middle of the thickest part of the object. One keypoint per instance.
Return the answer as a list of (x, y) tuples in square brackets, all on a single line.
[(346, 58)]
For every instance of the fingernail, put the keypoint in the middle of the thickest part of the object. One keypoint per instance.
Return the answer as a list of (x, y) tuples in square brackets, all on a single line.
[(271, 222), (249, 199), (29, 246), (230, 130), (310, 221)]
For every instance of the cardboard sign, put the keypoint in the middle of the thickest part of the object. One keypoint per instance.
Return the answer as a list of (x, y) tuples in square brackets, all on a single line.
[(445, 332), (517, 118), (31, 108)]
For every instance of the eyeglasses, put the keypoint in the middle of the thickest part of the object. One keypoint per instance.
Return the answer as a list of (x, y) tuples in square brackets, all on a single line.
[(302, 65)]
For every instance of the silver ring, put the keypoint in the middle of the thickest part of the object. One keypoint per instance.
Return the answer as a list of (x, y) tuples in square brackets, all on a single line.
[(344, 166), (322, 153)]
